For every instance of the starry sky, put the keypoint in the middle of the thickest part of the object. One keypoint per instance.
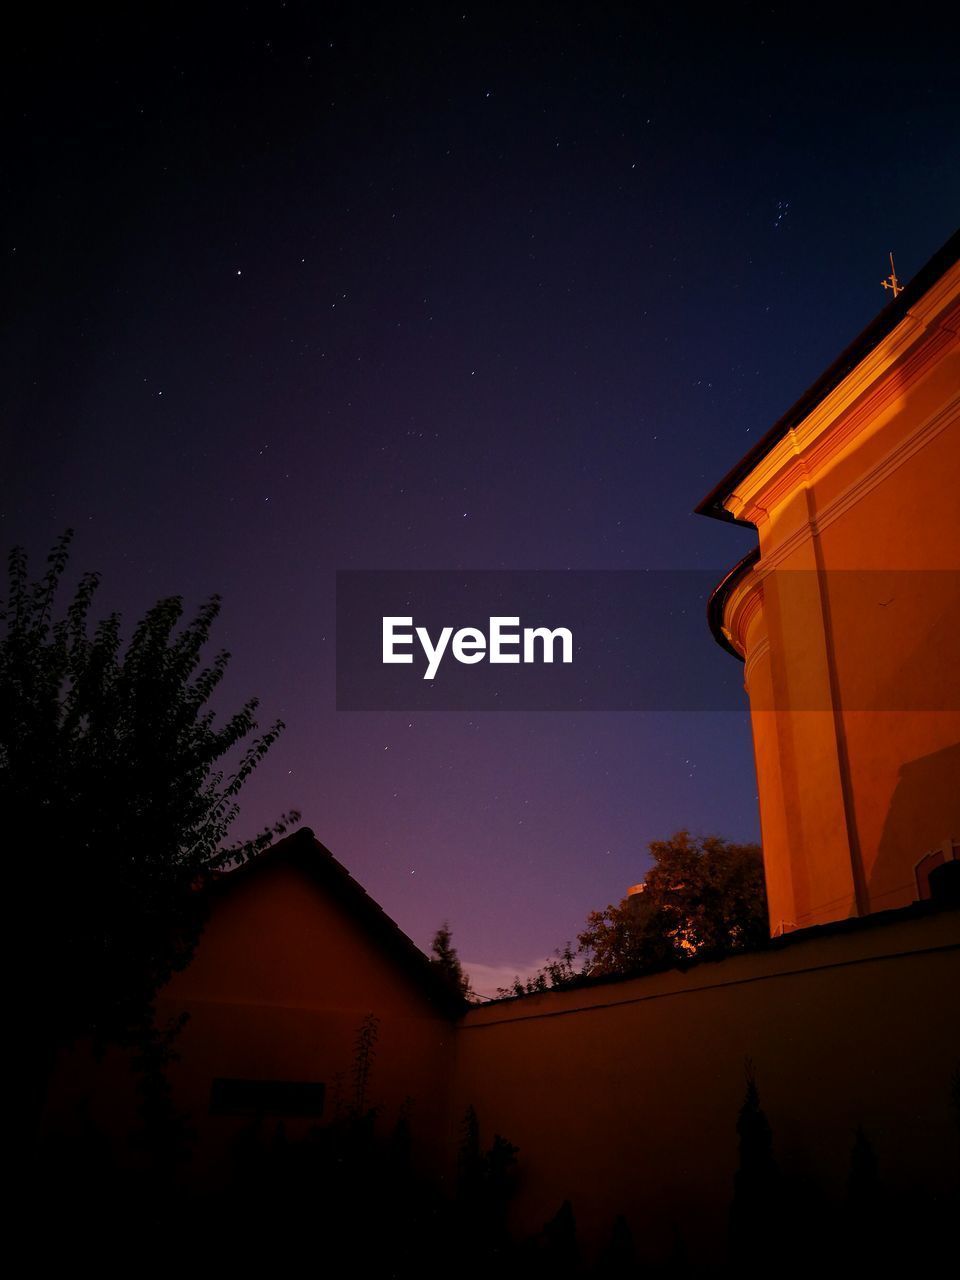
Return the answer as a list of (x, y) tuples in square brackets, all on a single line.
[(293, 288)]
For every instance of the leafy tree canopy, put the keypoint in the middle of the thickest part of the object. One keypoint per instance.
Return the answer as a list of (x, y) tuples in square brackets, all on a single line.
[(111, 775), (703, 898)]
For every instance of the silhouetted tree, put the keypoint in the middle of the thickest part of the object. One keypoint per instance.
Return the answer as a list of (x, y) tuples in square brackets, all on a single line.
[(499, 1162), (863, 1211), (484, 1187), (618, 1259), (559, 972), (754, 1214), (110, 778), (446, 962), (560, 1254), (703, 898), (165, 1133), (469, 1159), (483, 1178), (365, 1050)]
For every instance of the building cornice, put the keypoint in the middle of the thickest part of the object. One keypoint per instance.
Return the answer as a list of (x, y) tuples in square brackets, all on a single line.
[(865, 398), (924, 306)]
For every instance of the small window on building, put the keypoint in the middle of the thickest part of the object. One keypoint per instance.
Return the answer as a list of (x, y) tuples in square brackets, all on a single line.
[(266, 1097)]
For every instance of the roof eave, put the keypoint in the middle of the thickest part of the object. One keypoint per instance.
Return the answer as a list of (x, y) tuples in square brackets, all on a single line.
[(717, 602), (885, 322)]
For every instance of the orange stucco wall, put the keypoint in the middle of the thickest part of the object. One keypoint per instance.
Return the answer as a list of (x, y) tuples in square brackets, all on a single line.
[(624, 1097), (281, 980), (850, 627), (280, 984)]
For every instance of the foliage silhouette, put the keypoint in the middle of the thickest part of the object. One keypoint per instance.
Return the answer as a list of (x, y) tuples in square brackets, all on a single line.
[(864, 1211), (484, 1177), (557, 973), (485, 1185), (754, 1214), (165, 1134), (111, 775), (358, 1199), (364, 1053), (447, 964), (560, 1253), (618, 1259), (702, 899)]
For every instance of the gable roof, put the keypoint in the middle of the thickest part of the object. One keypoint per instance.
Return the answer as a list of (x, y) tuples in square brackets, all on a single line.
[(304, 851), (872, 336)]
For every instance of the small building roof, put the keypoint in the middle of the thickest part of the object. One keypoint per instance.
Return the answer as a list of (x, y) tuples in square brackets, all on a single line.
[(304, 851)]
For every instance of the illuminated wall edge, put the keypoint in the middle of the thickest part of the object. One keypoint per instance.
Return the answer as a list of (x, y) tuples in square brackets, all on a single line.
[(856, 797)]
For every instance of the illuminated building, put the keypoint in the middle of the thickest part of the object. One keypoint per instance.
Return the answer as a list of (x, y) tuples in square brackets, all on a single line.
[(847, 615)]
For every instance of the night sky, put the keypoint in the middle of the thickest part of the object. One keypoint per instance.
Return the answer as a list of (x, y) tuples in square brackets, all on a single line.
[(294, 288)]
